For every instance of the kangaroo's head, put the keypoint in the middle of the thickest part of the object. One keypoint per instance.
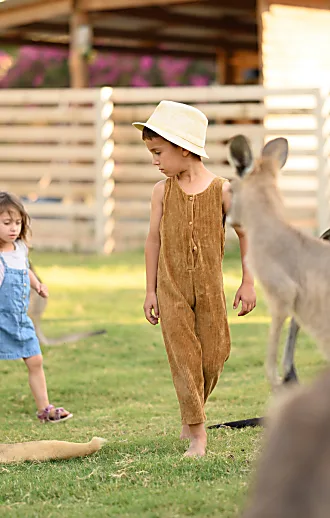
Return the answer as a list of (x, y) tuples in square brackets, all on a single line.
[(251, 172)]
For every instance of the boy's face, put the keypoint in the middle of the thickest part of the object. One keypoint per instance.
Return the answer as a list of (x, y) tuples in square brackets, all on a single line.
[(169, 159)]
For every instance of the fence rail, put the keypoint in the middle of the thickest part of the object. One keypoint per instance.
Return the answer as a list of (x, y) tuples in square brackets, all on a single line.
[(85, 175)]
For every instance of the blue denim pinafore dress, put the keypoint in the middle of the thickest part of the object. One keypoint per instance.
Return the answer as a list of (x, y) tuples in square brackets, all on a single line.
[(17, 335)]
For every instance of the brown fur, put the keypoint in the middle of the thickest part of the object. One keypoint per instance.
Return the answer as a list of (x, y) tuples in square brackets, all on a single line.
[(48, 450), (37, 306), (293, 475)]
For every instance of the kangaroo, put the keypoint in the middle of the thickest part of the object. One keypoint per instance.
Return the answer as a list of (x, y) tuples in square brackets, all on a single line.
[(290, 372), (291, 267), (37, 306), (293, 476)]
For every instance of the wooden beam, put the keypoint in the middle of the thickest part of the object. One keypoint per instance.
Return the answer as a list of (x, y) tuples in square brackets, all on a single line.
[(262, 6), (37, 11), (312, 4), (101, 5), (224, 68), (77, 60), (162, 15), (215, 42), (133, 50), (234, 4)]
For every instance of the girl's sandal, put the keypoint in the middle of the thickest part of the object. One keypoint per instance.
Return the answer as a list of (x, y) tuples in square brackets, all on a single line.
[(45, 416)]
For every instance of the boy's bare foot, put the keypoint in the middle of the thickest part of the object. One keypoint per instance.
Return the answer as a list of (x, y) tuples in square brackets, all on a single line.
[(185, 432), (198, 441)]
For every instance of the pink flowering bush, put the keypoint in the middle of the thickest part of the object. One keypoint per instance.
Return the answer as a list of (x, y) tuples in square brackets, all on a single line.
[(44, 67)]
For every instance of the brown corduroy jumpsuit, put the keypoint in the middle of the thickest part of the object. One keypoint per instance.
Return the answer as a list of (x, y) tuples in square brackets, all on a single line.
[(190, 293)]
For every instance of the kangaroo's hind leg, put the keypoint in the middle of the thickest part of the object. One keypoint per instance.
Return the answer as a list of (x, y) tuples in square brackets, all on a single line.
[(289, 370)]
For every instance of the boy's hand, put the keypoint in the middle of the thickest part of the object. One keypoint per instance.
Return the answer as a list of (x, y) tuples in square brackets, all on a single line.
[(42, 290), (247, 295), (151, 308)]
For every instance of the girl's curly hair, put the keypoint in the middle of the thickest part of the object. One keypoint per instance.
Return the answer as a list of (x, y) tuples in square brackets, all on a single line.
[(9, 203)]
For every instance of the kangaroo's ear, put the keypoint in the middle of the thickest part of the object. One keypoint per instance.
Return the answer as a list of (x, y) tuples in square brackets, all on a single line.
[(240, 155), (277, 149)]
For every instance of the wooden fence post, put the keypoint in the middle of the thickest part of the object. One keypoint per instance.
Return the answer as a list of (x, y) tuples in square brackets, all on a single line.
[(104, 184), (323, 213)]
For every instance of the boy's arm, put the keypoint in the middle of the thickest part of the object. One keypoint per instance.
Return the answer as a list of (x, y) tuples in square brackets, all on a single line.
[(246, 292), (152, 248)]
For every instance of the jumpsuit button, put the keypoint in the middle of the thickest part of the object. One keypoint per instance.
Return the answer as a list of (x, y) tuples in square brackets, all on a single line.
[(190, 222), (23, 297), (195, 248), (24, 272), (25, 284), (191, 198)]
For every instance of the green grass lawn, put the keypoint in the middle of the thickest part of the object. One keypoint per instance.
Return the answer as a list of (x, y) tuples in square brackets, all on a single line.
[(119, 387)]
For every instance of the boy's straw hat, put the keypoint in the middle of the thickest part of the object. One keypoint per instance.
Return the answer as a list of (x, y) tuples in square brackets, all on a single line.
[(180, 124)]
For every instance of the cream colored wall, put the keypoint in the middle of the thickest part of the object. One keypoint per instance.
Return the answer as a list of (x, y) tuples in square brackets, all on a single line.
[(296, 47)]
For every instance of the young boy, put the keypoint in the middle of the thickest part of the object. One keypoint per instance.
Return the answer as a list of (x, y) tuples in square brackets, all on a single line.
[(184, 252)]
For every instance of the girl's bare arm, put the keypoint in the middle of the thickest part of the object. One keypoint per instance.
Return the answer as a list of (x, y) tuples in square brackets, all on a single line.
[(35, 284)]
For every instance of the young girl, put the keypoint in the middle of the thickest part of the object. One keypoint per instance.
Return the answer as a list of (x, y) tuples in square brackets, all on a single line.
[(17, 335), (184, 252)]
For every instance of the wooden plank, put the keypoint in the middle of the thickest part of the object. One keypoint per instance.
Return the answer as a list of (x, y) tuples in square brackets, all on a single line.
[(100, 192), (313, 4), (301, 163), (55, 152), (33, 12), (57, 96), (187, 94), (47, 134), (78, 65), (300, 184), (60, 190), (215, 132), (219, 111), (108, 5), (22, 171), (303, 202), (132, 191), (66, 234), (126, 230), (147, 173), (285, 122), (60, 244), (37, 115), (139, 153), (55, 210), (132, 210)]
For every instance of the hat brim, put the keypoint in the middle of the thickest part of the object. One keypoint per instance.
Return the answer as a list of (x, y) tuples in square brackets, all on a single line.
[(174, 139)]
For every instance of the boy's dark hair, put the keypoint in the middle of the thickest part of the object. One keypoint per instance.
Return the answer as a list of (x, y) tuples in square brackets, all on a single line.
[(10, 202), (148, 134)]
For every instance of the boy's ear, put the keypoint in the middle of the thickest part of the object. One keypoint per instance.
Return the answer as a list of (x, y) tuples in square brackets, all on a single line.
[(277, 149), (240, 155), (185, 152)]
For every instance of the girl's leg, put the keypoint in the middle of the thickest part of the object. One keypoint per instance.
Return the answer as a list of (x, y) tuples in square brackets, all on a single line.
[(37, 381), (38, 385)]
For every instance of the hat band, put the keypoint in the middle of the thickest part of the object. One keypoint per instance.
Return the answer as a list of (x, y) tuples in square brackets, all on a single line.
[(191, 138)]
